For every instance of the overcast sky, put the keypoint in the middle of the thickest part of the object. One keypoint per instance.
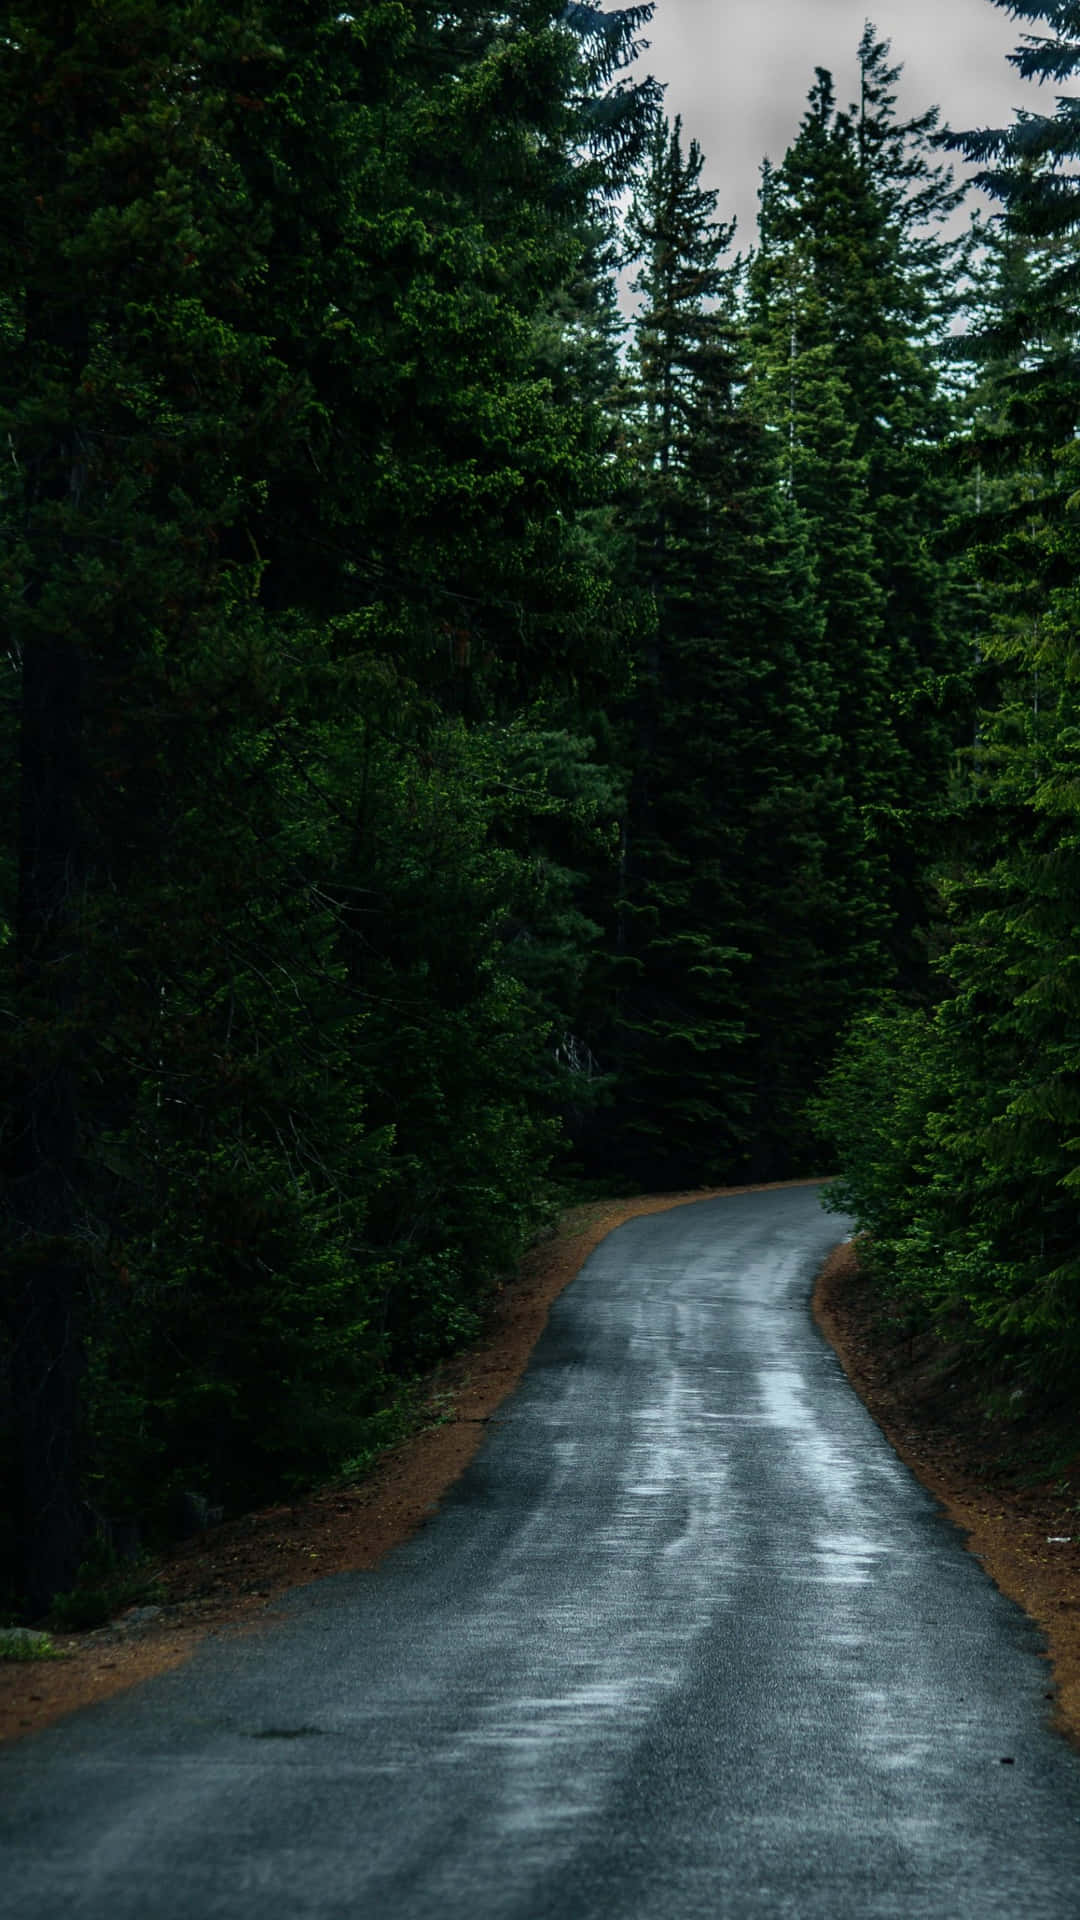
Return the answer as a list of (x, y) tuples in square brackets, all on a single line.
[(738, 71)]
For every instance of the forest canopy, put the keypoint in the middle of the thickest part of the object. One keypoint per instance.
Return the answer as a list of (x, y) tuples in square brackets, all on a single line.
[(461, 744)]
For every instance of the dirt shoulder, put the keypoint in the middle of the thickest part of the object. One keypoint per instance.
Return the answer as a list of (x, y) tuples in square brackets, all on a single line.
[(224, 1581), (1027, 1536)]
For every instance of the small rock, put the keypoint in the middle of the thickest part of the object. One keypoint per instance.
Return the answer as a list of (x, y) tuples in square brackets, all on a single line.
[(138, 1616)]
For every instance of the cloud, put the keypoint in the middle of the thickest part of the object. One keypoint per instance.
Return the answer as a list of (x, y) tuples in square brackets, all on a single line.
[(739, 71)]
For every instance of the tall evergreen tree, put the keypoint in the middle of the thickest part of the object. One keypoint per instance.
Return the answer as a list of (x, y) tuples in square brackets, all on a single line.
[(850, 293), (296, 536), (169, 993), (679, 1024), (1016, 899), (967, 1167), (739, 841)]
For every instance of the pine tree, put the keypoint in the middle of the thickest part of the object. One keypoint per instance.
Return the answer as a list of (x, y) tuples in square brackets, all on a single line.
[(299, 525), (739, 842), (1013, 965), (850, 300), (176, 1040), (967, 1169)]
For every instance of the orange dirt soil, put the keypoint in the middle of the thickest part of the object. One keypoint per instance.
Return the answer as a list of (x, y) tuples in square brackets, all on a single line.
[(223, 1582), (1026, 1536)]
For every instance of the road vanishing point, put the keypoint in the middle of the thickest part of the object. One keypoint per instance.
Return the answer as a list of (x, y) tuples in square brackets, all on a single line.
[(686, 1641)]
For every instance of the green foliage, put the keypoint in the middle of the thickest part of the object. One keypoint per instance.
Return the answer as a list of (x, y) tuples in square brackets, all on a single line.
[(921, 1136), (104, 1586), (746, 925), (23, 1643), (302, 541), (410, 1412), (974, 1209), (958, 1125), (852, 292), (429, 733), (874, 1106)]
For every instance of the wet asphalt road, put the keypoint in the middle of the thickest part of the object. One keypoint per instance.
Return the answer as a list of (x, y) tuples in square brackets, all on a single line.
[(687, 1640)]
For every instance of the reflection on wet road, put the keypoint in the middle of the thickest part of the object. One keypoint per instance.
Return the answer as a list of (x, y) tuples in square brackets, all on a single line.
[(686, 1640)]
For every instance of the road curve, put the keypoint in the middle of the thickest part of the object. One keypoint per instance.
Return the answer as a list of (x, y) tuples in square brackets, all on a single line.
[(686, 1640)]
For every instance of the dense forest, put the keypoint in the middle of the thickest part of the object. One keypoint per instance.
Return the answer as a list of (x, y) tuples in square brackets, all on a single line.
[(460, 742)]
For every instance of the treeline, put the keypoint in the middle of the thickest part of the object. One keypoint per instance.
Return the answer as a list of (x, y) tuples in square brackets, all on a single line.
[(451, 746), (801, 692), (959, 1118), (308, 601)]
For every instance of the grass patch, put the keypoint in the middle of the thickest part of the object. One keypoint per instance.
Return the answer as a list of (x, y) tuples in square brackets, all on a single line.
[(26, 1643), (415, 1409)]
